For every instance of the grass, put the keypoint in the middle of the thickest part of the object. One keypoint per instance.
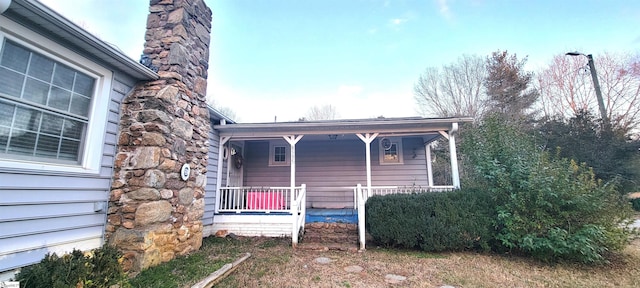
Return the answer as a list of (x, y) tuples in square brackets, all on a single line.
[(187, 270), (274, 264)]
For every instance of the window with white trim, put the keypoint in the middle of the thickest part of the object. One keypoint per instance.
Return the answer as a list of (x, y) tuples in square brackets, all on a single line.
[(279, 154), (52, 111), (390, 151)]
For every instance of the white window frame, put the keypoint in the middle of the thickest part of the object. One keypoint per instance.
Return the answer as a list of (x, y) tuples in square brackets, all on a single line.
[(394, 141), (272, 150), (93, 143)]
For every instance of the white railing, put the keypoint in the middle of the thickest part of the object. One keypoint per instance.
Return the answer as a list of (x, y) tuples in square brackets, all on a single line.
[(298, 211), (361, 200), (386, 190), (256, 199)]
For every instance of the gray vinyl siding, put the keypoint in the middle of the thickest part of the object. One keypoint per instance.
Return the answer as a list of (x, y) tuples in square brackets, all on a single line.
[(212, 174), (331, 168), (42, 212)]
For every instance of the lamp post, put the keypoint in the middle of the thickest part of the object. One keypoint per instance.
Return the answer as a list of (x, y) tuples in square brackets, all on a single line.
[(596, 84)]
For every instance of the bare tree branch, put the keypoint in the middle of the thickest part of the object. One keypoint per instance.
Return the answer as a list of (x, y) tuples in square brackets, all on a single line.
[(454, 90), (324, 112), (566, 87)]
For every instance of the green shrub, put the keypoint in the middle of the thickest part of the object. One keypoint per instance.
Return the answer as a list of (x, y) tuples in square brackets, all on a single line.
[(98, 268), (456, 220), (635, 204), (551, 209)]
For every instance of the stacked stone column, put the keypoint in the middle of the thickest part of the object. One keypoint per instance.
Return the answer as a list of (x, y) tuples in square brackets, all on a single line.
[(153, 214)]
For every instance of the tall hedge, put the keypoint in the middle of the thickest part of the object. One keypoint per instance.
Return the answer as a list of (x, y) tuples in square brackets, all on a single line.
[(549, 208), (449, 221)]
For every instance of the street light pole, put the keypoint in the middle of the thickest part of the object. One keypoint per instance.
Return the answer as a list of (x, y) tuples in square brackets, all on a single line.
[(596, 85)]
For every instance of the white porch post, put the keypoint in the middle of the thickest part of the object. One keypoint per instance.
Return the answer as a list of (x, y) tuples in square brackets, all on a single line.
[(292, 140), (427, 151), (223, 141), (367, 139), (454, 156)]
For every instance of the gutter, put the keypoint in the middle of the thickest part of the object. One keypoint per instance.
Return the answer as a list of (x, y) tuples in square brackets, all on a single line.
[(76, 35)]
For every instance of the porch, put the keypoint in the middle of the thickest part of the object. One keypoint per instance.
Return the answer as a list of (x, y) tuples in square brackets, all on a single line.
[(261, 166), (283, 212)]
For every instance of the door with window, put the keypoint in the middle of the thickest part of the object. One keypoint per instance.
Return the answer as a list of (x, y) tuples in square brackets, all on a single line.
[(237, 164)]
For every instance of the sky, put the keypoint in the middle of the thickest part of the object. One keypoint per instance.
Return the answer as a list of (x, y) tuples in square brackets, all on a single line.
[(272, 60)]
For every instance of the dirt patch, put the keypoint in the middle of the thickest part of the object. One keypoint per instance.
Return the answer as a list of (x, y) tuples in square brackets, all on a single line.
[(275, 264)]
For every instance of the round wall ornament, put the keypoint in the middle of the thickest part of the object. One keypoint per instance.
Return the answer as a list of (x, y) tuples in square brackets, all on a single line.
[(385, 143), (185, 171)]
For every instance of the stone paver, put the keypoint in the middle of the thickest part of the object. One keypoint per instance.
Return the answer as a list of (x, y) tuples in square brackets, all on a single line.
[(353, 269), (394, 279), (323, 260)]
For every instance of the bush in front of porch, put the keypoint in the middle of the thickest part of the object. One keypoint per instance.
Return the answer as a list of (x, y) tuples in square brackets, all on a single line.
[(448, 221), (517, 198), (547, 207)]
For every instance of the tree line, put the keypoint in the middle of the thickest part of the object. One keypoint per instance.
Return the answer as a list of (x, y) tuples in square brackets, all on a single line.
[(556, 105)]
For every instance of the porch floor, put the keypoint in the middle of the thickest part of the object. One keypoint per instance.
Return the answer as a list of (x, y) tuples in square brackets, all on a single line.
[(331, 216)]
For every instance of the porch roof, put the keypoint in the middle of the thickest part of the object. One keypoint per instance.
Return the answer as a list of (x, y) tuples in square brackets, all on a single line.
[(384, 126)]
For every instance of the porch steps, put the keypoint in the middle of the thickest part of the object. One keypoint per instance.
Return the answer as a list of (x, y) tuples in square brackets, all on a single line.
[(331, 216), (330, 229)]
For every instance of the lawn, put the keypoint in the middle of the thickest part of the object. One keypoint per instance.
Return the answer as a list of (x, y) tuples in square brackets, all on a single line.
[(274, 264)]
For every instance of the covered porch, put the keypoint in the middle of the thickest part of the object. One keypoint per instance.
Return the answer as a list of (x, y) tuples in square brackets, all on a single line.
[(269, 174)]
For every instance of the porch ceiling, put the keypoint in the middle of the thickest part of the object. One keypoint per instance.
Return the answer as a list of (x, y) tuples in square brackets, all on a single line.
[(384, 126)]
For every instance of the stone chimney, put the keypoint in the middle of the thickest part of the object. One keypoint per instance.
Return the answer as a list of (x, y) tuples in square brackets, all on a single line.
[(155, 215)]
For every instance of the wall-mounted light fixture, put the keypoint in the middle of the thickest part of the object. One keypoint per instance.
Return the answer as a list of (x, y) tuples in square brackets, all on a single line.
[(4, 5)]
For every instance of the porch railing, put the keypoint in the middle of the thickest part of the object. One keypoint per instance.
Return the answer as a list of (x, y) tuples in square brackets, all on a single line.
[(298, 211), (256, 199), (386, 190)]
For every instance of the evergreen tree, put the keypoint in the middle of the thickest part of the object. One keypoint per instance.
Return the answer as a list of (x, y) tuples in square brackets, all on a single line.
[(509, 87)]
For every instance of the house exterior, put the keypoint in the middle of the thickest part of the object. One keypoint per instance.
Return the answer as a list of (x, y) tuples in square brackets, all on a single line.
[(61, 108), (268, 174), (97, 148)]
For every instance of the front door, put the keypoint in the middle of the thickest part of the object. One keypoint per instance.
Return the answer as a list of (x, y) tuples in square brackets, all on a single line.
[(236, 164)]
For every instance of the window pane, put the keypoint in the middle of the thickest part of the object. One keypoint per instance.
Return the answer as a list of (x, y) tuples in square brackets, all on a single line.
[(51, 124), (80, 105), (4, 137), (22, 142), (27, 119), (6, 115), (63, 76), (24, 129), (72, 129), (59, 98), (279, 154), (47, 146), (14, 57), (11, 82), (41, 67), (83, 85), (391, 154), (36, 91), (69, 150)]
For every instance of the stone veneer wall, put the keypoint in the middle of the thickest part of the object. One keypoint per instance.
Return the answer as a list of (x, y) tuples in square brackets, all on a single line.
[(153, 214)]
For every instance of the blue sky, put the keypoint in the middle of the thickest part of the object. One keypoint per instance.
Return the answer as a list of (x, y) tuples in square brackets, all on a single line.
[(278, 58)]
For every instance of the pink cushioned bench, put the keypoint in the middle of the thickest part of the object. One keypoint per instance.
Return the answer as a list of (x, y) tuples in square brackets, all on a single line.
[(265, 201)]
